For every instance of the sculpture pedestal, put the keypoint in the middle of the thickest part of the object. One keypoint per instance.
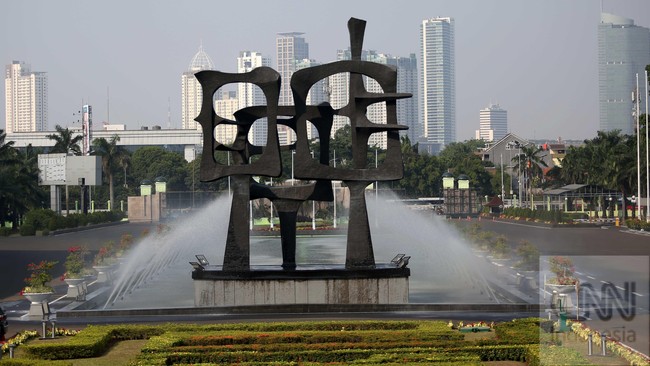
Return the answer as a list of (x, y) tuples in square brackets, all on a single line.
[(312, 284)]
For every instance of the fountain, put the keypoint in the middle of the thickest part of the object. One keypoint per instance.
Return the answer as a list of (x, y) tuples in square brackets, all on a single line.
[(347, 273), (155, 274)]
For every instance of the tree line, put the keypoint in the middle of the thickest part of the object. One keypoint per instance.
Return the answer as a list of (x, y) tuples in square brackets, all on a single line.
[(608, 160)]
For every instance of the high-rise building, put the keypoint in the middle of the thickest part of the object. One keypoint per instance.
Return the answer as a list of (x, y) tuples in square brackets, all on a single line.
[(623, 51), (225, 105), (493, 123), (291, 48), (407, 113), (438, 83), (191, 93), (251, 95), (25, 99)]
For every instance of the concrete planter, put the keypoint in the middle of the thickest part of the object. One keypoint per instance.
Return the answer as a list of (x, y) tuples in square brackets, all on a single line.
[(38, 303), (76, 287)]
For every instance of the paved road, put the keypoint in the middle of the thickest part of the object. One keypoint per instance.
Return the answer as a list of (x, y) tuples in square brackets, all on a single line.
[(608, 261), (17, 252), (573, 241)]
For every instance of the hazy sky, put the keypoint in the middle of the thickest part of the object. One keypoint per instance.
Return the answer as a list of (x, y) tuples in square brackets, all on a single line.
[(537, 59)]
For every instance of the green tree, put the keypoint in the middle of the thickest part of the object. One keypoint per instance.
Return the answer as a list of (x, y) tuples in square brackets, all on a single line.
[(462, 158), (19, 189), (608, 160), (458, 151), (65, 141), (9, 191), (422, 173), (151, 162), (112, 155), (531, 160)]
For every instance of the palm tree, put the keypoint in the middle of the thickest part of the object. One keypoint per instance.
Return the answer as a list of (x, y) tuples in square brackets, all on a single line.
[(112, 158), (531, 159), (65, 142)]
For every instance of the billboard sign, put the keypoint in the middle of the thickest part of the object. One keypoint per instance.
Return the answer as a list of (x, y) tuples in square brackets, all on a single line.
[(88, 168), (51, 169)]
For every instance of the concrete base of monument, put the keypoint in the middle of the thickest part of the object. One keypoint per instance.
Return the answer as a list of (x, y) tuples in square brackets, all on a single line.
[(308, 284)]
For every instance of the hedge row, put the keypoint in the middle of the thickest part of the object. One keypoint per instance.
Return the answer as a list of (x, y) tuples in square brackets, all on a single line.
[(554, 216), (91, 342), (313, 343), (636, 224), (48, 220)]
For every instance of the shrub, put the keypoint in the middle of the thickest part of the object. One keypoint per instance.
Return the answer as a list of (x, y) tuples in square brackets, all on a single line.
[(529, 255), (27, 230), (39, 218), (5, 231)]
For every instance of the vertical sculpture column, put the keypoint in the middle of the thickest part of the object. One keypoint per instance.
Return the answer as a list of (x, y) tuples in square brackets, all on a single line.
[(359, 252), (237, 253)]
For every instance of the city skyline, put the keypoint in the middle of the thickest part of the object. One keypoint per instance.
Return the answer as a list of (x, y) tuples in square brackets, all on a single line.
[(539, 58)]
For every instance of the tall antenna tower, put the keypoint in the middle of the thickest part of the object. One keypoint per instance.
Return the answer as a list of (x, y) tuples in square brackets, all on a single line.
[(169, 113)]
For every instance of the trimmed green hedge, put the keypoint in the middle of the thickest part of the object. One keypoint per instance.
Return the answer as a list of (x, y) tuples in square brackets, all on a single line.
[(636, 224), (44, 219), (313, 343), (554, 216), (91, 342)]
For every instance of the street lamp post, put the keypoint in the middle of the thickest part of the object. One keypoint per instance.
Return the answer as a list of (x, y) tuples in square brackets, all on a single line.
[(292, 153), (635, 96), (334, 191), (376, 182), (647, 152), (271, 204)]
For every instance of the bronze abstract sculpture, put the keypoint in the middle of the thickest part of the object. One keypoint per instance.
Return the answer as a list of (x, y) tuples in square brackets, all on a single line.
[(359, 254)]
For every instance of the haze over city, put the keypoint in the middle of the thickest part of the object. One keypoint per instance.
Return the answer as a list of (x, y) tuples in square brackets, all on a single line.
[(537, 59)]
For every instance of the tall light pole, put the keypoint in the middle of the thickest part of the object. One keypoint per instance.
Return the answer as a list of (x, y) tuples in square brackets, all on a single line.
[(638, 148), (376, 182), (292, 153), (503, 192), (271, 204), (313, 207), (647, 153), (334, 184)]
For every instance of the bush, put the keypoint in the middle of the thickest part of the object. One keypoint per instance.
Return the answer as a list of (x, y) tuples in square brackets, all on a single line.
[(27, 230), (39, 218), (5, 231)]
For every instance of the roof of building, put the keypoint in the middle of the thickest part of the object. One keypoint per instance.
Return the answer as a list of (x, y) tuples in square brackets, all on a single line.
[(201, 61)]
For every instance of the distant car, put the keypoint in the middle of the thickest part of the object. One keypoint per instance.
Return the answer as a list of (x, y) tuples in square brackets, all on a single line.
[(4, 324)]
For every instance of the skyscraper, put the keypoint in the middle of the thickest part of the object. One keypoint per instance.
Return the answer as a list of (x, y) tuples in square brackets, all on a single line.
[(291, 48), (493, 123), (407, 113), (251, 95), (25, 99), (438, 82), (191, 93), (623, 51), (225, 105)]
